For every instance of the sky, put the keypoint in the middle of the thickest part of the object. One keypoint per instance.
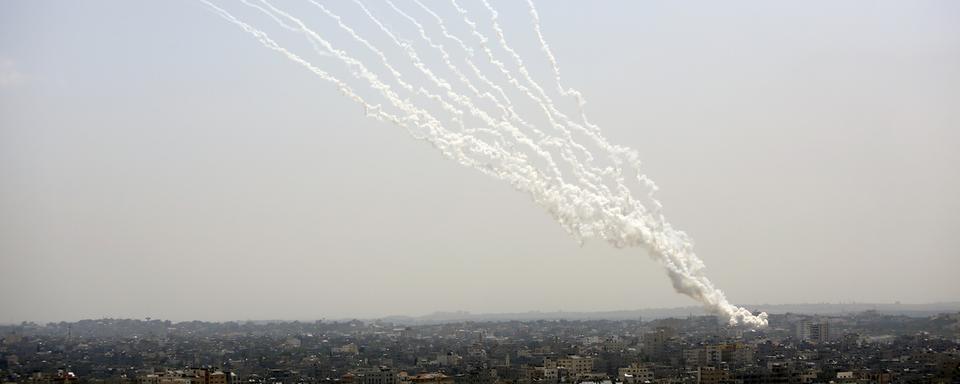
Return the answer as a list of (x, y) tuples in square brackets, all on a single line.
[(156, 161)]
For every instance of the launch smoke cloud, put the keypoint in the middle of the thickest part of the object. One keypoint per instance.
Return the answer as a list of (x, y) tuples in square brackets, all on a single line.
[(566, 165)]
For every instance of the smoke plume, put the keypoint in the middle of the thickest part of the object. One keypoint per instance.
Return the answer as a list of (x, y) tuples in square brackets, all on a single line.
[(565, 165)]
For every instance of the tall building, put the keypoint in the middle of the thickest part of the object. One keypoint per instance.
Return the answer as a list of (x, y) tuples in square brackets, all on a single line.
[(813, 331), (820, 331)]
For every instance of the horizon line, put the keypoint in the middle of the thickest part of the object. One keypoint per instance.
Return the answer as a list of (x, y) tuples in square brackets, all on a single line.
[(425, 318)]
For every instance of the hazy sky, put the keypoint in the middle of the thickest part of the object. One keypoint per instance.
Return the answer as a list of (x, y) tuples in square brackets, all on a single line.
[(157, 161)]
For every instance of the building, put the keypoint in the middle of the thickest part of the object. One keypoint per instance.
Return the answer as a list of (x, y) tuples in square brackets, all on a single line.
[(222, 377), (813, 331), (378, 375), (714, 354), (449, 359), (573, 365), (635, 373), (820, 332), (430, 378), (348, 349), (713, 375), (477, 376), (148, 379)]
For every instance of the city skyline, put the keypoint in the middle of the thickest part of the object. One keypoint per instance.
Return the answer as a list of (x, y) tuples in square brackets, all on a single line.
[(857, 347), (149, 171), (459, 315)]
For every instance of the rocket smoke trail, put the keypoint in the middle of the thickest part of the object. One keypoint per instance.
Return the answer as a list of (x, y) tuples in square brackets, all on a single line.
[(713, 298), (588, 193)]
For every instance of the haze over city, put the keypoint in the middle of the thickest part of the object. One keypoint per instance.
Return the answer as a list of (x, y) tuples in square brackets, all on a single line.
[(156, 161)]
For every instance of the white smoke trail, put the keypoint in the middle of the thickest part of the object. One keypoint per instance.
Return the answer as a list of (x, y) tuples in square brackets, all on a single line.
[(671, 247), (462, 99), (509, 114), (315, 39), (542, 96), (585, 207), (469, 51), (492, 160), (543, 139), (316, 48), (445, 57), (581, 101), (450, 144), (571, 146), (566, 151), (583, 194)]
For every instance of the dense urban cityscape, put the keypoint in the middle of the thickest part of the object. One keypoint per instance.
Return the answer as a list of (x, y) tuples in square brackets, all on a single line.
[(865, 347)]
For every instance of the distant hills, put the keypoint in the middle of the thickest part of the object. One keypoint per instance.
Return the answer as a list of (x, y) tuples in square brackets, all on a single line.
[(912, 310), (918, 310)]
